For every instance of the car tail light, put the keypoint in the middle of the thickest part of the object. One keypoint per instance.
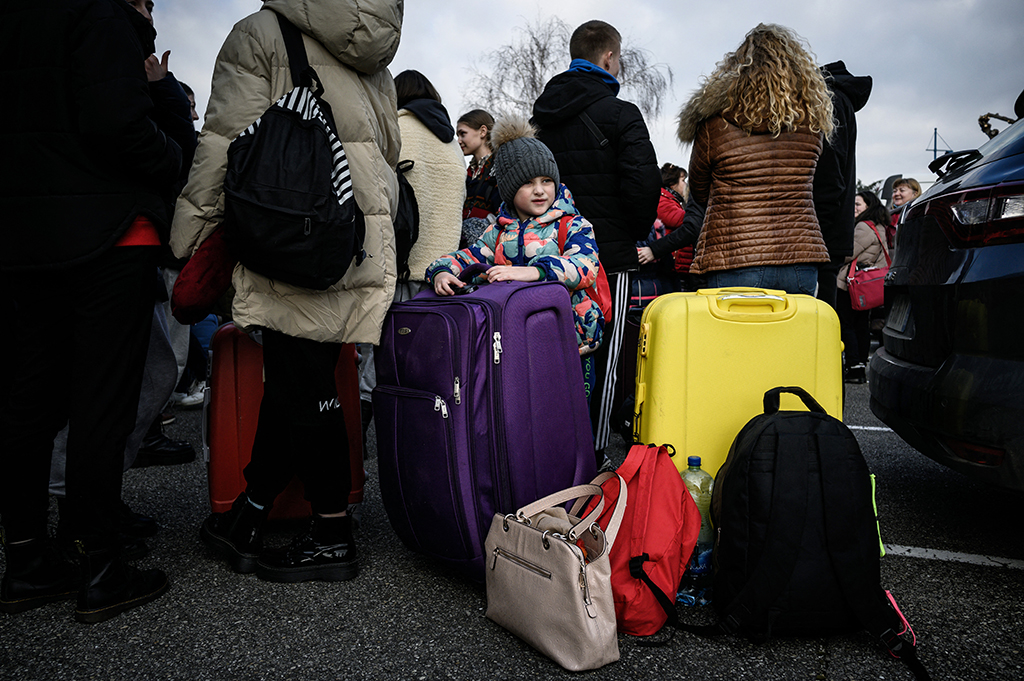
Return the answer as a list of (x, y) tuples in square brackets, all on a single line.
[(975, 453), (978, 217)]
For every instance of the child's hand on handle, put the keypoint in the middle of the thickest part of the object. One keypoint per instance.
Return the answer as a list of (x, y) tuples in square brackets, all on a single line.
[(512, 273), (445, 284)]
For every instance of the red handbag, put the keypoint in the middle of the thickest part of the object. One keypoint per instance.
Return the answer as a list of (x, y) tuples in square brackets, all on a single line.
[(655, 540), (203, 280), (867, 286)]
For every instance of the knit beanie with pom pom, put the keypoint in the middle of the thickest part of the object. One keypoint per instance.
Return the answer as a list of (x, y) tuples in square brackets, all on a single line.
[(519, 156)]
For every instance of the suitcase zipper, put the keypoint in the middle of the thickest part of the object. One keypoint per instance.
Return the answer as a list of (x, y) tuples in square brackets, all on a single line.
[(521, 562), (497, 347), (440, 406), (458, 392)]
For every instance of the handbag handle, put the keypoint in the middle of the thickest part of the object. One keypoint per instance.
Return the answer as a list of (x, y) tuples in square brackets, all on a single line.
[(588, 490)]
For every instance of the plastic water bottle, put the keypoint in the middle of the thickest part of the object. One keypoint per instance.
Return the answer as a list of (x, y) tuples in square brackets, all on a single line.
[(695, 588)]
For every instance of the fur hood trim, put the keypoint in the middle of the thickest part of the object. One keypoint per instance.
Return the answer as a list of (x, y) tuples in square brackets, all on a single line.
[(707, 101)]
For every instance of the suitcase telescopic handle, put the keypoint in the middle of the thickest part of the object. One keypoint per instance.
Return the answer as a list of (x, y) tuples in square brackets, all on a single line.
[(476, 269)]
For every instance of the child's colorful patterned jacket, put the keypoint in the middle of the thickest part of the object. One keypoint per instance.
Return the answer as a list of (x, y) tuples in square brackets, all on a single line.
[(534, 242)]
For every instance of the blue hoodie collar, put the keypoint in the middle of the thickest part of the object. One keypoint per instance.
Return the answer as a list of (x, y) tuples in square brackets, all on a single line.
[(584, 66)]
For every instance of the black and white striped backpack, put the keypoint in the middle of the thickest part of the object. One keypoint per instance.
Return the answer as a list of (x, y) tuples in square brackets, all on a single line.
[(289, 209)]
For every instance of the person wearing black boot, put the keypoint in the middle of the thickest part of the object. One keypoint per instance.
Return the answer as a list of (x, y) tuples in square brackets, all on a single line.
[(237, 535), (38, 572), (326, 552), (83, 216), (301, 428), (159, 450)]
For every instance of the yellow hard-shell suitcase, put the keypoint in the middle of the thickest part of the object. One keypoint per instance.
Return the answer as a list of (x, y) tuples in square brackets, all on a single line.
[(706, 359)]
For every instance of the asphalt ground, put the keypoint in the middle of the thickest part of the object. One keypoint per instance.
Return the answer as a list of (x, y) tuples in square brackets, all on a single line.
[(403, 617)]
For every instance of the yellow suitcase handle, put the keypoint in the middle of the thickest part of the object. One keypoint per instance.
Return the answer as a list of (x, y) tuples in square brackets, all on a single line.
[(752, 305)]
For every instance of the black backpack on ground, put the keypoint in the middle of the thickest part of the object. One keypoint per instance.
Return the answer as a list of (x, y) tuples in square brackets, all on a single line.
[(289, 210), (797, 543), (407, 221)]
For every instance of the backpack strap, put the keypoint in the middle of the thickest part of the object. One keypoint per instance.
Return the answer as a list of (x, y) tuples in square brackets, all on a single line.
[(854, 570), (563, 232), (771, 400), (298, 63), (592, 126)]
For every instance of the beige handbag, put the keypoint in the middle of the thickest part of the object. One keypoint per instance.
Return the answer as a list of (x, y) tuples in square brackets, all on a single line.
[(549, 577)]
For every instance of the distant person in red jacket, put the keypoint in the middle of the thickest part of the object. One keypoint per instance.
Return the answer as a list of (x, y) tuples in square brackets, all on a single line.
[(677, 243)]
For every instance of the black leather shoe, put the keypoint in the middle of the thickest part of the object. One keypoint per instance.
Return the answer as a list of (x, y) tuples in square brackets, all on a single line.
[(112, 586), (136, 524), (856, 374), (160, 450), (322, 554), (133, 527), (132, 548), (236, 535), (37, 573)]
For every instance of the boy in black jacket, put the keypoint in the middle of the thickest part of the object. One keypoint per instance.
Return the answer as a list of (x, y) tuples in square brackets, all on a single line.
[(607, 161)]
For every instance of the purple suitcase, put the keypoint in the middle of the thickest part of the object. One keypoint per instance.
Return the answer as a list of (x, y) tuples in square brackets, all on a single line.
[(479, 409)]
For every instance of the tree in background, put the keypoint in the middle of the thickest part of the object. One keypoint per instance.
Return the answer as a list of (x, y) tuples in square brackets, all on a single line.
[(515, 74), (875, 187)]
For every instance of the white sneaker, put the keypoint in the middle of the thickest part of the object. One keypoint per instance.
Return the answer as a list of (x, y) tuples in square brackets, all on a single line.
[(194, 398)]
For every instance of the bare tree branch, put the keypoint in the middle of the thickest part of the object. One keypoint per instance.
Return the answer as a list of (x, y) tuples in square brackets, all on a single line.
[(514, 75)]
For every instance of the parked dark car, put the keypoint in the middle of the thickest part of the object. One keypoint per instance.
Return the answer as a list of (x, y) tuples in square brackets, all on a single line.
[(949, 377)]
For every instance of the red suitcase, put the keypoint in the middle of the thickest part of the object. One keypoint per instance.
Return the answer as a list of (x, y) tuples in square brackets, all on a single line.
[(232, 410)]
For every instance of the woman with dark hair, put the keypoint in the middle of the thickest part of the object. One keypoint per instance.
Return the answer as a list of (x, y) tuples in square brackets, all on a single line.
[(482, 200), (437, 175), (869, 250), (756, 125), (438, 180), (675, 244)]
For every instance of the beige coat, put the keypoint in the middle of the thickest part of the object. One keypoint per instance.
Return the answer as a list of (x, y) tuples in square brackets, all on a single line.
[(349, 44), (439, 180), (867, 250)]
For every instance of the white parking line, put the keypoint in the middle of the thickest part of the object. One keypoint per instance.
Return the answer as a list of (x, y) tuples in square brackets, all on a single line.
[(954, 557), (881, 429)]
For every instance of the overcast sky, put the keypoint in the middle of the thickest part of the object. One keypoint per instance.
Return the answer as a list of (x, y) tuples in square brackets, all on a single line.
[(935, 63)]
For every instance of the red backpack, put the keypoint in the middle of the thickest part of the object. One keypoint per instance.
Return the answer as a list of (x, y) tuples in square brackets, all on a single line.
[(600, 292), (655, 540)]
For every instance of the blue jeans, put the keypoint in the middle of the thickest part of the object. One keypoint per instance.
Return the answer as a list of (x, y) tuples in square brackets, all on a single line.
[(788, 278)]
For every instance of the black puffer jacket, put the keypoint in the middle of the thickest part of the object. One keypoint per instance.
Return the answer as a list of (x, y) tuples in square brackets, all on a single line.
[(835, 178), (617, 186), (83, 156)]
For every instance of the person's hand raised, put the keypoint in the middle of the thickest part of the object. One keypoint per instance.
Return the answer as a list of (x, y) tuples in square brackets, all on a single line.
[(156, 69)]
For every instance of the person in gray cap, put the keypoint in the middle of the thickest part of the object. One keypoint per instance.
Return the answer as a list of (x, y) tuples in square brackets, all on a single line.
[(524, 244)]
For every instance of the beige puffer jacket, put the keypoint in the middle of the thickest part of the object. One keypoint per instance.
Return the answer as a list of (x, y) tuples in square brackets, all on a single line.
[(867, 250), (757, 188), (349, 44), (439, 180)]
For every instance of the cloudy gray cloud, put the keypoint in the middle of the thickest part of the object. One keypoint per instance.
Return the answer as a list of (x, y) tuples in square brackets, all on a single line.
[(935, 63)]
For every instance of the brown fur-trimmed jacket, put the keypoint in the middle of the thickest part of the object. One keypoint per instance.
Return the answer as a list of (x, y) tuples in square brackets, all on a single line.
[(757, 188)]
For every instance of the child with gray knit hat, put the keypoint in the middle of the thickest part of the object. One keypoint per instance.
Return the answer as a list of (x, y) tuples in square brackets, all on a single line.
[(539, 235)]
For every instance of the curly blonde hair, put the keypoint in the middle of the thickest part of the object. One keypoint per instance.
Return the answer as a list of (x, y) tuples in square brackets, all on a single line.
[(772, 79)]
